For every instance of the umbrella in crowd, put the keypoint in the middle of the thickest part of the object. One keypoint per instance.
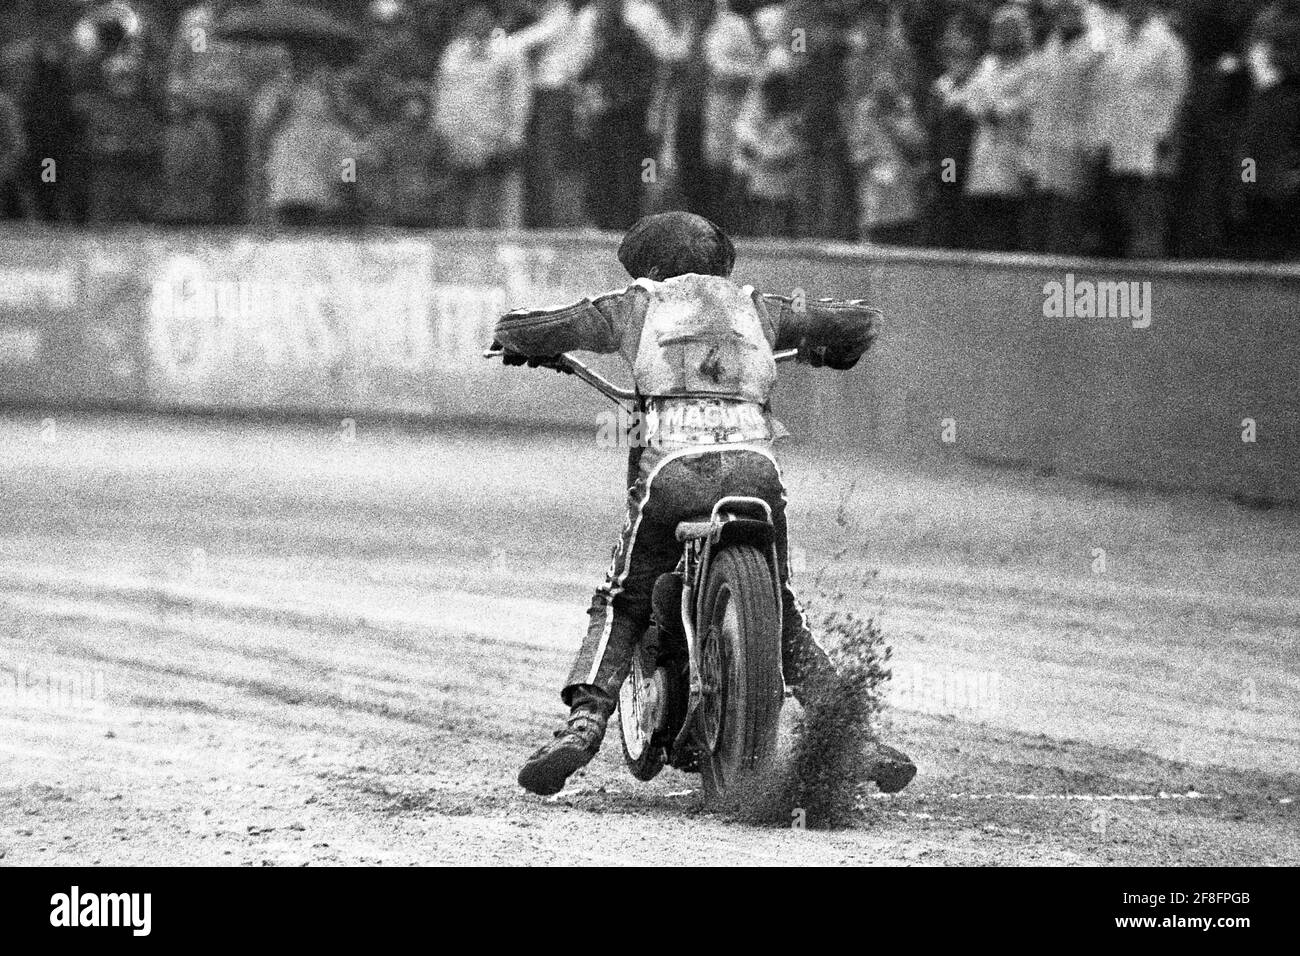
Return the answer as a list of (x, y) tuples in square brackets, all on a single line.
[(299, 28)]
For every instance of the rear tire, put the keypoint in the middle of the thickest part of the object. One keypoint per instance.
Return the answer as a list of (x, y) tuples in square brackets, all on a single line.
[(740, 665)]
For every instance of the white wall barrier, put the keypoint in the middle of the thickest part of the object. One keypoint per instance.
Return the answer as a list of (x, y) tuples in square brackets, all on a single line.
[(1160, 375)]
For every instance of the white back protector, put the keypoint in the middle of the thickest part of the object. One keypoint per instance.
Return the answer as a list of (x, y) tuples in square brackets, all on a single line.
[(703, 336)]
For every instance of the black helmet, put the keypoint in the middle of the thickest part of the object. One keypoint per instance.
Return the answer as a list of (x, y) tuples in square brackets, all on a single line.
[(674, 243)]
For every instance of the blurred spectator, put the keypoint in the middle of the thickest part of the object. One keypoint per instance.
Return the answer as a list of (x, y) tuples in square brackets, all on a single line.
[(558, 51), (1268, 219), (392, 42), (390, 60), (221, 78), (771, 157), (676, 119), (733, 58), (42, 74), (1066, 126), (1043, 17), (124, 139), (820, 51), (1060, 155), (15, 202), (1140, 90), (191, 161), (201, 63), (109, 29), (926, 23), (951, 131), (771, 26), (1219, 86), (886, 140), (303, 149), (481, 106), (997, 98), (631, 40), (401, 177)]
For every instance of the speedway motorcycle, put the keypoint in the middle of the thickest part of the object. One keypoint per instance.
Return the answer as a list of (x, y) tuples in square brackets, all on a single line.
[(706, 688)]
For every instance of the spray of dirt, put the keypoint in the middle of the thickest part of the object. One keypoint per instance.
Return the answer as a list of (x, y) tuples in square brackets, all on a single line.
[(816, 781), (834, 737), (817, 778)]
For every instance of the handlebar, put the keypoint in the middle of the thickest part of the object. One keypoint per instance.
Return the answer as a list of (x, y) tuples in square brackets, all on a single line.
[(617, 393)]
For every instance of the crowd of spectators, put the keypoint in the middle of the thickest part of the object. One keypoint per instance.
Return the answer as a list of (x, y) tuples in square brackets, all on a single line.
[(1117, 127)]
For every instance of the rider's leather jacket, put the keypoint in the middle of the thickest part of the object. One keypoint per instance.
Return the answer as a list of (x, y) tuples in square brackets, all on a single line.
[(696, 336)]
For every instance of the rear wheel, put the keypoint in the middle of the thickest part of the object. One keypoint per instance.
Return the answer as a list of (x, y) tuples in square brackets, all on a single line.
[(740, 669)]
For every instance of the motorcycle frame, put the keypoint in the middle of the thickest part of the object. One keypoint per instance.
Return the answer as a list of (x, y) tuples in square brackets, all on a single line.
[(697, 553)]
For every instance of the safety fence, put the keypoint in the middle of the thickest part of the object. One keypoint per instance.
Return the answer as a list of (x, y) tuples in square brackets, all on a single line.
[(1153, 374)]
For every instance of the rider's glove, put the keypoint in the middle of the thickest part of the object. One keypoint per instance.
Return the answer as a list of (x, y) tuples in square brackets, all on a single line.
[(814, 355), (823, 355), (513, 358), (532, 361), (841, 362), (552, 362)]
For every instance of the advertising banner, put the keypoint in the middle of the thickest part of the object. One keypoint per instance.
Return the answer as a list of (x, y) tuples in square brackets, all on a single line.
[(1153, 374)]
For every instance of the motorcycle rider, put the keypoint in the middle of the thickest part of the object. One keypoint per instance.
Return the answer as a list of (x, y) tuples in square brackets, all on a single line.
[(700, 348)]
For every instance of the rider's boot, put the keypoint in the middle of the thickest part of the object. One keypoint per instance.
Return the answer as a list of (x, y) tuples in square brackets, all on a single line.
[(888, 767), (575, 743)]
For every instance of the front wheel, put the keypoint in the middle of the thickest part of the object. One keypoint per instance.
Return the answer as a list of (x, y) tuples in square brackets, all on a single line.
[(740, 670)]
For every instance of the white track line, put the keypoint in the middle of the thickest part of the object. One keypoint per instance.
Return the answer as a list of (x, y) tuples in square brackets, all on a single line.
[(1131, 797)]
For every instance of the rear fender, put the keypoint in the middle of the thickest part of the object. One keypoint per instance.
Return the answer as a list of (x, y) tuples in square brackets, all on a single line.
[(736, 520), (753, 531)]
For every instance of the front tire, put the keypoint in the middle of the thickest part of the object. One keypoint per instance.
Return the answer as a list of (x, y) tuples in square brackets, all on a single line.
[(740, 669)]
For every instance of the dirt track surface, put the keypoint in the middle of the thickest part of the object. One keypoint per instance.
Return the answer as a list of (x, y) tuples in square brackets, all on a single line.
[(243, 643)]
